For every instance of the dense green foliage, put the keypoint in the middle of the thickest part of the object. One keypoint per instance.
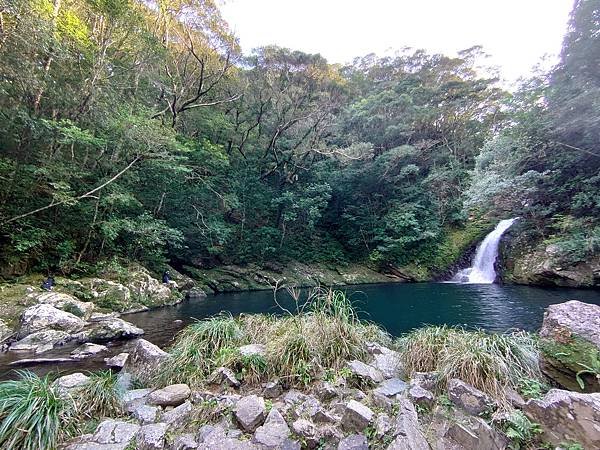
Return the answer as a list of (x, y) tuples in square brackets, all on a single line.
[(138, 130)]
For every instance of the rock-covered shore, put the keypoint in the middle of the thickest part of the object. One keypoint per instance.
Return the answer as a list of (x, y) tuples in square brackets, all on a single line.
[(369, 403)]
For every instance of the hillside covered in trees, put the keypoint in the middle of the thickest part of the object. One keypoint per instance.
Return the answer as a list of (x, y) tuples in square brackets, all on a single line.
[(137, 130)]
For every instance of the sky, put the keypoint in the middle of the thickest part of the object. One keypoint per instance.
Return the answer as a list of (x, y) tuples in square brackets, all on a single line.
[(515, 33)]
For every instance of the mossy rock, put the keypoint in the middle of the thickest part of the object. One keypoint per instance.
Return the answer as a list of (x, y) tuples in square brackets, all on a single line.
[(562, 361)]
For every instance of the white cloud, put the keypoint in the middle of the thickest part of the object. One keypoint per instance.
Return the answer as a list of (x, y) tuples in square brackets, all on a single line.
[(516, 33)]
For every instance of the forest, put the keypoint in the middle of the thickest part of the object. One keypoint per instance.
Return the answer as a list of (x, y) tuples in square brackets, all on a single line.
[(138, 131)]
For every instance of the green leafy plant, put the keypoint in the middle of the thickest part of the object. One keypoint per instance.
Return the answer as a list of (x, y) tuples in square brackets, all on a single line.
[(592, 369), (520, 430)]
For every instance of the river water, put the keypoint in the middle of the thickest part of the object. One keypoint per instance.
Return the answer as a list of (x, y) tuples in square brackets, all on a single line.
[(397, 307)]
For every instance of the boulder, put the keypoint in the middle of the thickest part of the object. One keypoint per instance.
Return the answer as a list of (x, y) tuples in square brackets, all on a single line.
[(215, 437), (272, 389), (365, 372), (87, 350), (111, 295), (250, 412), (223, 375), (68, 383), (476, 434), (383, 425), (66, 302), (43, 317), (179, 416), (391, 387), (152, 291), (274, 432), (326, 391), (173, 395), (468, 398), (252, 350), (117, 361), (144, 359), (133, 398), (567, 417), (109, 329), (570, 340), (421, 397), (307, 431), (185, 442), (41, 341), (113, 431), (354, 442), (356, 416), (387, 362), (427, 380), (406, 431), (152, 437), (145, 413)]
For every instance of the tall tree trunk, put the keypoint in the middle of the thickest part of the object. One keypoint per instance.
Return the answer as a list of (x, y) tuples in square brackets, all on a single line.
[(49, 58)]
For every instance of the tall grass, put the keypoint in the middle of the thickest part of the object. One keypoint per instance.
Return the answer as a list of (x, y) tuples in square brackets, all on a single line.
[(488, 361), (32, 414), (323, 334), (101, 395)]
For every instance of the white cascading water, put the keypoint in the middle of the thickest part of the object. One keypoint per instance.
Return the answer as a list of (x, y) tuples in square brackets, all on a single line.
[(482, 271)]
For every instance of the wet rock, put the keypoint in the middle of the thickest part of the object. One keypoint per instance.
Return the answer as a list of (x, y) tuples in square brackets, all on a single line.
[(567, 417), (185, 442), (144, 359), (41, 341), (225, 375), (152, 437), (354, 442), (365, 372), (427, 380), (356, 416), (406, 431), (274, 432), (179, 416), (391, 387), (145, 413), (570, 340), (71, 382), (117, 361), (109, 329), (272, 389), (67, 303), (252, 350), (87, 350), (421, 397), (250, 412), (43, 317), (173, 395), (468, 398)]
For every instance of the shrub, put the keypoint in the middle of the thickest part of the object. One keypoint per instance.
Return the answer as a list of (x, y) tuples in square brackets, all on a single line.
[(32, 414), (490, 362)]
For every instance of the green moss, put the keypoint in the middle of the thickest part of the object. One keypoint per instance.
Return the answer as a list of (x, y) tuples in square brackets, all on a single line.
[(565, 360)]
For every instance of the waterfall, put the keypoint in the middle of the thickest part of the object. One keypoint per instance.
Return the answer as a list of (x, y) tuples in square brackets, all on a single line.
[(482, 271)]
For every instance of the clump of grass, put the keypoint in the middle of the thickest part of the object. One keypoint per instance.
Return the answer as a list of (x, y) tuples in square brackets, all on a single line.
[(100, 395), (289, 354), (488, 361), (195, 352), (33, 415)]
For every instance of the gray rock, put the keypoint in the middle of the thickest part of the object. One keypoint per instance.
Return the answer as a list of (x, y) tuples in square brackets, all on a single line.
[(326, 391), (365, 372), (152, 437), (572, 318), (117, 361), (322, 416), (307, 431), (253, 349), (354, 442), (215, 437), (115, 432), (109, 329), (145, 413), (382, 401), (387, 362), (468, 398), (274, 431), (272, 389), (383, 425), (5, 330), (427, 380), (391, 387), (308, 407), (406, 430), (67, 303), (185, 442), (133, 398), (88, 350), (173, 395), (357, 416), (420, 396), (144, 359), (71, 382), (250, 412), (476, 434), (224, 375), (567, 416), (179, 416), (44, 317), (41, 341)]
